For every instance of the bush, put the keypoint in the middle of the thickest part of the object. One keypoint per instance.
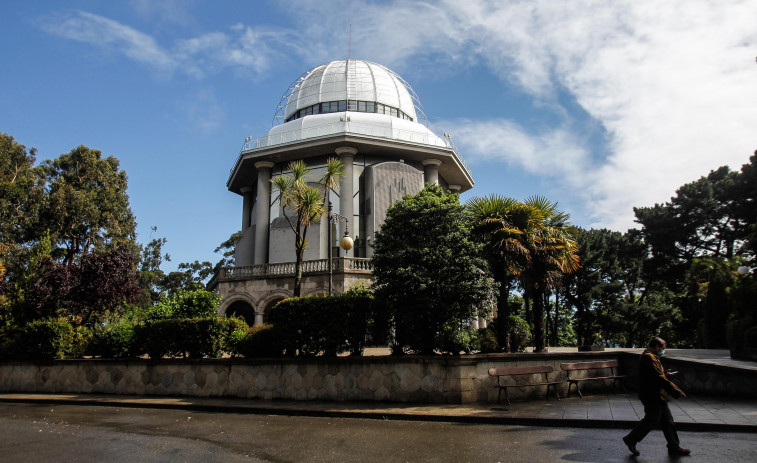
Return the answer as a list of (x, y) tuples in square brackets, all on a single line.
[(234, 332), (189, 337), (324, 324), (487, 341), (81, 343), (196, 303), (261, 341), (113, 341), (520, 333), (47, 339), (454, 339)]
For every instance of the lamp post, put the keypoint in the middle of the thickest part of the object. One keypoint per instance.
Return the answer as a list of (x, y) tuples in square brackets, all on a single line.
[(345, 243)]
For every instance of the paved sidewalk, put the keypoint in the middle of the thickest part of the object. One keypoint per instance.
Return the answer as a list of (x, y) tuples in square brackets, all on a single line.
[(599, 410)]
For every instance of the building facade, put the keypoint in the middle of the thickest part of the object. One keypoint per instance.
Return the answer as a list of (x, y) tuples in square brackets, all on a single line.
[(368, 117)]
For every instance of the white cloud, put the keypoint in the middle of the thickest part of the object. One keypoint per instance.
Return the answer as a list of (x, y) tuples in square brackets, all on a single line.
[(241, 48), (672, 83), (101, 31)]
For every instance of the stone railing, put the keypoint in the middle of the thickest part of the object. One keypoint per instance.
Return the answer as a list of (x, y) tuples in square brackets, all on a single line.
[(339, 265), (359, 128)]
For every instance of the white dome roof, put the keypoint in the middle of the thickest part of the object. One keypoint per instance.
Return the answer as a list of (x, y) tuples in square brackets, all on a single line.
[(350, 80)]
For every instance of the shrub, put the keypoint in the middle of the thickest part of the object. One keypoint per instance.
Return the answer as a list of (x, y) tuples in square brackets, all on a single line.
[(81, 342), (113, 341), (454, 338), (487, 341), (261, 341), (188, 337), (46, 339), (234, 332), (196, 303), (520, 333), (324, 324)]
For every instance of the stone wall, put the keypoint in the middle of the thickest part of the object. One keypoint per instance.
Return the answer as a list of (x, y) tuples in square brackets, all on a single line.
[(405, 379), (702, 377)]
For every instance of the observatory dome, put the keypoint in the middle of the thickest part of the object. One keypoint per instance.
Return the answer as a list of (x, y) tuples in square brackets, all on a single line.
[(350, 85)]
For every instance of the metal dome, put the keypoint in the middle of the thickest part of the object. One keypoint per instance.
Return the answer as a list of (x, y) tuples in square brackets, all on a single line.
[(350, 85)]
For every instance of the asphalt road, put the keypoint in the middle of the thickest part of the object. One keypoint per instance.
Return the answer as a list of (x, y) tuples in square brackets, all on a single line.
[(81, 433)]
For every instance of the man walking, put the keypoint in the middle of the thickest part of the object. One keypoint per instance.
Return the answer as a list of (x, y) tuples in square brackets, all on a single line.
[(654, 391)]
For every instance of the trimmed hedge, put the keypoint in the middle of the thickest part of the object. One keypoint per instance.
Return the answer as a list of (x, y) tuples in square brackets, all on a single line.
[(47, 339), (189, 337), (261, 341), (326, 325)]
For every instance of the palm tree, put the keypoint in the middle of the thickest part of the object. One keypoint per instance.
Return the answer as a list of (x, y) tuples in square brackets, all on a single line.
[(553, 251), (306, 204), (531, 242)]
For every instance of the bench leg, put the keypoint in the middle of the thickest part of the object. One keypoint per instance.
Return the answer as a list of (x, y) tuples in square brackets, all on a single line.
[(554, 388), (574, 383), (507, 397), (578, 389)]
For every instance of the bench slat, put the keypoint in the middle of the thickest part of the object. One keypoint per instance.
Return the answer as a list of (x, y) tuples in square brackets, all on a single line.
[(521, 370), (589, 365)]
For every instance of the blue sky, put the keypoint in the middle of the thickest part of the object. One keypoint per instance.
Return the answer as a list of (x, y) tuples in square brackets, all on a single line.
[(600, 106)]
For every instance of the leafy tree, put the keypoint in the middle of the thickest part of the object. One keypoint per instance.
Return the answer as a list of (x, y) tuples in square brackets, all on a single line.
[(83, 292), (86, 205), (21, 192), (306, 204), (428, 273)]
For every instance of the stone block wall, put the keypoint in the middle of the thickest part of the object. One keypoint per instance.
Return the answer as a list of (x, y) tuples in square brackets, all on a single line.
[(701, 377), (455, 380)]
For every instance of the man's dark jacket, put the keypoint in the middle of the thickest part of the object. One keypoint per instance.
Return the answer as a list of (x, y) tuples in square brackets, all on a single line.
[(653, 380)]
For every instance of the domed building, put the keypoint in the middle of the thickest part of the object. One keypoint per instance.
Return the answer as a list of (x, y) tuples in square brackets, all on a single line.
[(368, 117)]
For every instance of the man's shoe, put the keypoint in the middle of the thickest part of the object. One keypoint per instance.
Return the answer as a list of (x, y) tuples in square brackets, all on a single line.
[(679, 452), (631, 446)]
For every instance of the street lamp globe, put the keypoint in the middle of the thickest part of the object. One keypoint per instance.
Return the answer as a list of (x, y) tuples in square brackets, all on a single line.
[(346, 243), (743, 270)]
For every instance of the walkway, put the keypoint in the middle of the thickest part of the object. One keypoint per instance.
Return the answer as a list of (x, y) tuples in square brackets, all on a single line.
[(599, 410)]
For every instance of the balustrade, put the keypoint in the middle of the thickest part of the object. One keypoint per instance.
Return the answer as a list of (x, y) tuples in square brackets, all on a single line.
[(339, 264)]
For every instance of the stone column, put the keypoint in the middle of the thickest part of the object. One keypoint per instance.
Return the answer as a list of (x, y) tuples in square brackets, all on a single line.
[(246, 206), (346, 192), (258, 318), (431, 170), (262, 211)]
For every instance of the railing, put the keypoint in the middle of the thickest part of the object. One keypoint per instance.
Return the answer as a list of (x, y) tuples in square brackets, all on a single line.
[(362, 128), (339, 265)]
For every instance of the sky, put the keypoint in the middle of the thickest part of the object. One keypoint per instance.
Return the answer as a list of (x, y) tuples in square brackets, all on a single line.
[(600, 106)]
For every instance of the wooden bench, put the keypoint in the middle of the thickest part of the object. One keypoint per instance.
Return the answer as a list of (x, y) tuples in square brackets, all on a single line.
[(504, 373), (597, 371)]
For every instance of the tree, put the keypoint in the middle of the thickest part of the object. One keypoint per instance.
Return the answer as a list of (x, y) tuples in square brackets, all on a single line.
[(493, 220), (531, 241), (304, 204), (427, 271), (86, 205), (21, 192), (83, 292), (552, 252)]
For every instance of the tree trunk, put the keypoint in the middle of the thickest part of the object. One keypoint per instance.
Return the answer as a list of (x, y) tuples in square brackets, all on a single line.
[(539, 328)]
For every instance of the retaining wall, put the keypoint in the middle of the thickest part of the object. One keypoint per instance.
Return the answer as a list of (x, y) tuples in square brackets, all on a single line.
[(433, 379)]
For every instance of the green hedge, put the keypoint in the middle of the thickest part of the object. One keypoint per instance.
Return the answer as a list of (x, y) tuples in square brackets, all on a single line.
[(114, 341), (325, 325), (47, 339), (261, 341), (189, 337)]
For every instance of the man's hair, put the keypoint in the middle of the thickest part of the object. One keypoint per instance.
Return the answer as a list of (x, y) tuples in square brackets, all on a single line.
[(658, 341)]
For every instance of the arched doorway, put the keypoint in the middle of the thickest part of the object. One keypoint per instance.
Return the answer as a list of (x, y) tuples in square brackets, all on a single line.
[(241, 309)]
